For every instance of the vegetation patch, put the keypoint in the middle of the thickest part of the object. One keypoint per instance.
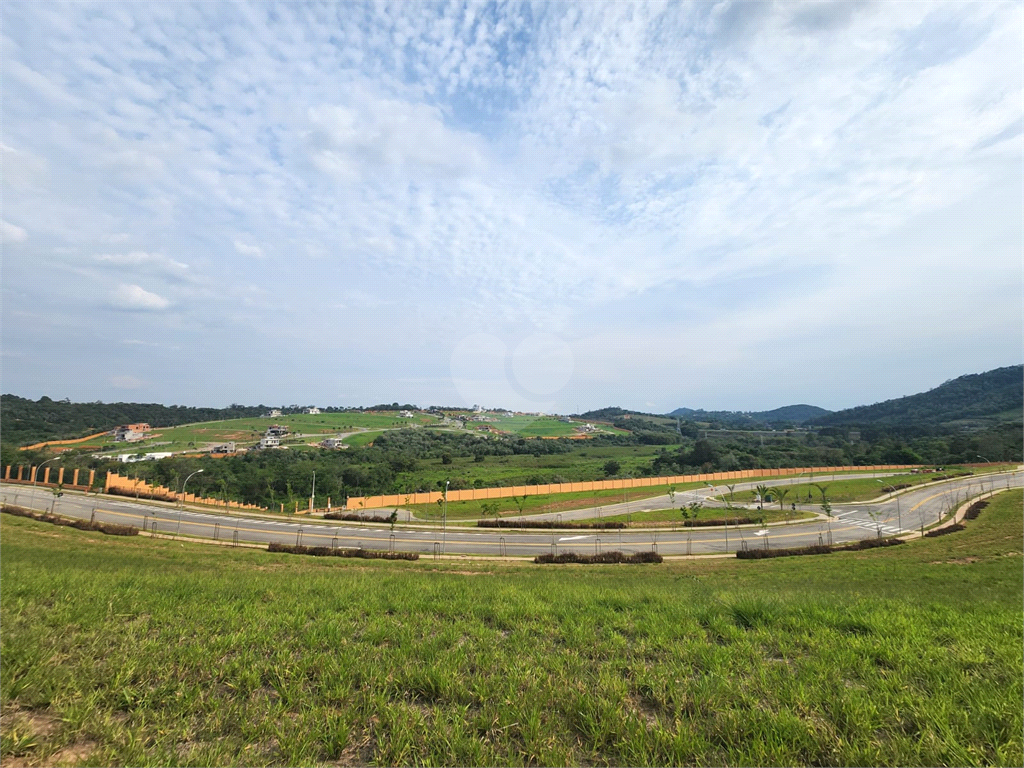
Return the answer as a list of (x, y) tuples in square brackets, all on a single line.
[(150, 651), (366, 554), (945, 530), (111, 529), (600, 558), (545, 524), (817, 549), (975, 509), (357, 518)]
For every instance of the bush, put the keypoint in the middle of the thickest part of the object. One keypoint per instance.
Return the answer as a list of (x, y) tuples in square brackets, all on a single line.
[(544, 524), (355, 517), (721, 521), (974, 510), (816, 549), (943, 531), (366, 554), (602, 557)]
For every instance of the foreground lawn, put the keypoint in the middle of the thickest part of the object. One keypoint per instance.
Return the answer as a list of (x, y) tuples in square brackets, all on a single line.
[(134, 651)]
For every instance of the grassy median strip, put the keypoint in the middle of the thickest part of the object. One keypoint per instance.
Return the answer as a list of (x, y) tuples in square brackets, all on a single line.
[(110, 529), (139, 651)]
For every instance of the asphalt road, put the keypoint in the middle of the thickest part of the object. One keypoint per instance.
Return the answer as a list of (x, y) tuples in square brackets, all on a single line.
[(914, 508)]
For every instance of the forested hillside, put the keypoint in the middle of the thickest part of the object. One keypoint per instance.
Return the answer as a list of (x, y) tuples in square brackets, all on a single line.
[(24, 421), (787, 414), (973, 400)]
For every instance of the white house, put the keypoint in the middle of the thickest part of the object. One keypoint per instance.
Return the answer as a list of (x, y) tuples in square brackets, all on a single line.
[(313, 411), (270, 441), (333, 442)]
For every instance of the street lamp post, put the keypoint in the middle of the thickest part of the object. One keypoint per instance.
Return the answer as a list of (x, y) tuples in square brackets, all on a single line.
[(444, 520), (181, 501), (899, 515), (35, 477)]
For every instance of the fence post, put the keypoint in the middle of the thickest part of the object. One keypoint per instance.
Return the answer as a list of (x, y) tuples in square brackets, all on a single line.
[(501, 545), (234, 539)]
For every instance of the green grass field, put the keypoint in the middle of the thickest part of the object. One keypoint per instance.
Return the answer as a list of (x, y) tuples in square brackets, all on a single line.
[(248, 431), (841, 491), (771, 515), (145, 652)]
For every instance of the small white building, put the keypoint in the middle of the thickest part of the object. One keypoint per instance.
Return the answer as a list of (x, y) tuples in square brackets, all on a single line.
[(333, 442), (270, 441), (274, 414), (223, 448), (314, 411), (406, 414)]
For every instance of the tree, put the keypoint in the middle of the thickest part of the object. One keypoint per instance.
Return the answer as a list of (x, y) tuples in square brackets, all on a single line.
[(732, 491), (393, 518), (822, 488), (612, 467), (690, 511), (780, 494), (672, 495), (762, 495), (446, 458)]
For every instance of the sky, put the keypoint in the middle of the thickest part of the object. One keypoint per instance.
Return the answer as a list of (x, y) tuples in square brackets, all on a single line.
[(547, 207)]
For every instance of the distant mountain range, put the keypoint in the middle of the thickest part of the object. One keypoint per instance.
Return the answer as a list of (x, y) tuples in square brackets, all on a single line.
[(974, 400), (977, 399), (787, 414)]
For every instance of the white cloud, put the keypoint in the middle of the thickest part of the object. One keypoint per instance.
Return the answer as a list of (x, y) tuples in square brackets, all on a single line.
[(592, 171), (135, 297), (126, 382), (141, 259), (11, 233), (249, 250)]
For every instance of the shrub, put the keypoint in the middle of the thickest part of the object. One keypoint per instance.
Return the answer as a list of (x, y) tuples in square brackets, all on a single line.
[(721, 521), (943, 531), (974, 510), (355, 517), (602, 557), (366, 554), (544, 524), (816, 549)]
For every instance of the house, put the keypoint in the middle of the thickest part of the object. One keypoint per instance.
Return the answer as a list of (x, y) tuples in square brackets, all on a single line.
[(270, 441), (223, 448), (314, 411), (275, 413), (277, 430), (406, 414), (129, 433), (333, 442)]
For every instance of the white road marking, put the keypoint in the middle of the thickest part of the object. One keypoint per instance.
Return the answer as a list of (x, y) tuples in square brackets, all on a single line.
[(573, 538)]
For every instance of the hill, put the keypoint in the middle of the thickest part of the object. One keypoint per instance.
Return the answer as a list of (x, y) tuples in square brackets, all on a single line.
[(787, 414), (973, 400), (31, 421)]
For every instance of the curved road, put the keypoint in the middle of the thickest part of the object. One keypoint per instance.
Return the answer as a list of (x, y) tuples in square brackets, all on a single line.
[(913, 509)]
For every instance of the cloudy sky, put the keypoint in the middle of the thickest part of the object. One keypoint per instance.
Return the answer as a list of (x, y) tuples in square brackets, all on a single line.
[(551, 207)]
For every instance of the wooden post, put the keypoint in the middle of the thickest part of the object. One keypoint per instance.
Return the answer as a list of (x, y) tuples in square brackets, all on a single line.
[(19, 472), (92, 477), (74, 480), (282, 507), (46, 476), (32, 474), (60, 476), (7, 472)]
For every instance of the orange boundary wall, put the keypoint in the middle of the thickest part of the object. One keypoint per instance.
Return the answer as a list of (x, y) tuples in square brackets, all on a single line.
[(471, 494), (126, 486), (62, 442)]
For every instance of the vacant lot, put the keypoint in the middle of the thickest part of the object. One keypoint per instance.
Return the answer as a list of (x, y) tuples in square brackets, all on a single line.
[(151, 652)]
